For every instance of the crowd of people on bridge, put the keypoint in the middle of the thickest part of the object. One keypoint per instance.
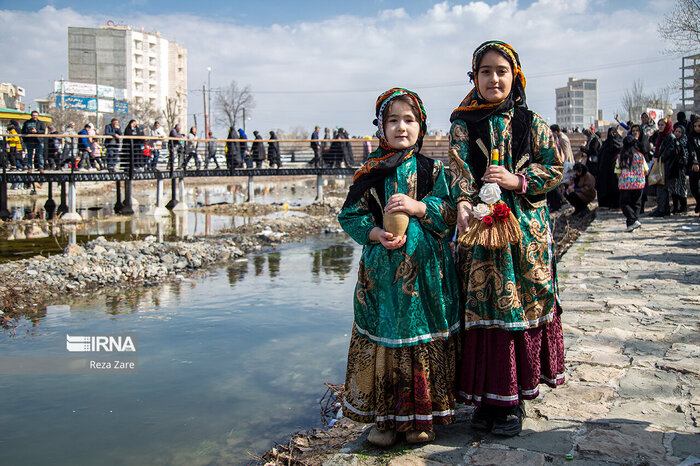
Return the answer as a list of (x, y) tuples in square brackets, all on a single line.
[(143, 147)]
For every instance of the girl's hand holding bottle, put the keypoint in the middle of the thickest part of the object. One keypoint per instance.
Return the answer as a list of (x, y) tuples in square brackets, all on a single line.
[(386, 238), (402, 203)]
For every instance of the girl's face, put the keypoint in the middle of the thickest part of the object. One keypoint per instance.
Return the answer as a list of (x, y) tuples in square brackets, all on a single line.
[(635, 133), (678, 133), (662, 125), (696, 126), (494, 77), (401, 127)]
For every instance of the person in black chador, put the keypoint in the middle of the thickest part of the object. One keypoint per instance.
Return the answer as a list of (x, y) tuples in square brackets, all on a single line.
[(175, 147), (273, 151), (693, 166), (591, 149), (675, 167), (258, 150), (233, 153), (606, 181), (132, 147), (348, 156)]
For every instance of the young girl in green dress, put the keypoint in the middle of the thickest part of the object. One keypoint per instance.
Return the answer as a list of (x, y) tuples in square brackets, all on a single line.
[(404, 344)]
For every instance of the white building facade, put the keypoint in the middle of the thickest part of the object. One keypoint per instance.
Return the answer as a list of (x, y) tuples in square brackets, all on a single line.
[(577, 103), (152, 69)]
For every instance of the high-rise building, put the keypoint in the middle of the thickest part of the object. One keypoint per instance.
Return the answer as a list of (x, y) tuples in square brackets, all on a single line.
[(690, 84), (153, 70), (577, 103)]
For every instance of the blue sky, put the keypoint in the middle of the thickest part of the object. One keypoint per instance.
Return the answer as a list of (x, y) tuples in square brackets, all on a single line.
[(324, 62), (265, 12)]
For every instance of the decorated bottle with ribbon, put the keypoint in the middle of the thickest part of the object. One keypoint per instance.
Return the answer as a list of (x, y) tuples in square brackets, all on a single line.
[(495, 157)]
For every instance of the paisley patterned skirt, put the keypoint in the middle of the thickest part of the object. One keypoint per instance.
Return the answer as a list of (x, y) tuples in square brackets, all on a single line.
[(499, 367), (406, 388)]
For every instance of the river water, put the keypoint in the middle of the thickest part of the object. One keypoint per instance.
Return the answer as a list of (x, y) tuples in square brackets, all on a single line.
[(227, 364)]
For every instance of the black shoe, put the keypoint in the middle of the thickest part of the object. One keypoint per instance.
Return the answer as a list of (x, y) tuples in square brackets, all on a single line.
[(508, 422), (482, 417)]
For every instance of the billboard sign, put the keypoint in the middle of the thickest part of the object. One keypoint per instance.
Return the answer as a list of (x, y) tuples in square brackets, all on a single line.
[(655, 114), (106, 105), (85, 104), (87, 89), (121, 107)]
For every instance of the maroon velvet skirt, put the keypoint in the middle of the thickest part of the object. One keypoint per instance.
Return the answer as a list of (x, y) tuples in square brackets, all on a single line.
[(499, 367)]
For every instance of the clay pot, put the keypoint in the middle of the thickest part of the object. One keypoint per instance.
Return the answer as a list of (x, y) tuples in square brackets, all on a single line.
[(396, 223)]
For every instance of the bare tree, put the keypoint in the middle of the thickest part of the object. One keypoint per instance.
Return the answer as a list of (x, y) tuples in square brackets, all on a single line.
[(682, 25), (171, 113), (633, 98), (231, 102), (298, 132), (635, 101), (61, 118), (143, 113)]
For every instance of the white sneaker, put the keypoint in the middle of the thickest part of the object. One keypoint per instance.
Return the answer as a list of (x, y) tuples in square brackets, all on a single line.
[(634, 226)]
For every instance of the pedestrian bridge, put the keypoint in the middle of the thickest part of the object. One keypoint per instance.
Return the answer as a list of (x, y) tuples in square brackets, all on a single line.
[(132, 165)]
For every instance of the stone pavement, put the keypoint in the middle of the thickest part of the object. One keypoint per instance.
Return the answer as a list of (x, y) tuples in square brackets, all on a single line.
[(632, 396)]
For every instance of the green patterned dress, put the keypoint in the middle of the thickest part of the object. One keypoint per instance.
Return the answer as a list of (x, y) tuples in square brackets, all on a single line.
[(401, 362), (509, 296)]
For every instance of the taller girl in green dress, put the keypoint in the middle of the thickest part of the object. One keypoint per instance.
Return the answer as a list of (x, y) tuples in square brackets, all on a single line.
[(513, 336), (401, 362)]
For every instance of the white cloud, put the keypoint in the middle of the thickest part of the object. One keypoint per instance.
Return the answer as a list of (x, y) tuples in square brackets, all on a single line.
[(352, 59)]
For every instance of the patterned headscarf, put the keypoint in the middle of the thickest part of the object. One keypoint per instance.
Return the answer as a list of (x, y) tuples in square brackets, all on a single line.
[(385, 159), (474, 107)]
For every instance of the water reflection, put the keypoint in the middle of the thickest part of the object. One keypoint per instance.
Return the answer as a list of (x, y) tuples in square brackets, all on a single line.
[(227, 363), (273, 263), (333, 260), (98, 211), (259, 263), (237, 272), (294, 192)]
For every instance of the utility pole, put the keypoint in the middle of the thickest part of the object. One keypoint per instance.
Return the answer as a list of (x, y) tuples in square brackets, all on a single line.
[(244, 119), (209, 85), (206, 119), (97, 94), (63, 96)]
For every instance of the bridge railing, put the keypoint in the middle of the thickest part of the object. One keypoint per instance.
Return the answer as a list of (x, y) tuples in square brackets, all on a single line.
[(142, 153)]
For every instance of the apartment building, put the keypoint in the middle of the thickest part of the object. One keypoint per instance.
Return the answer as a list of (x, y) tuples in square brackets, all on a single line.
[(577, 103), (152, 69)]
